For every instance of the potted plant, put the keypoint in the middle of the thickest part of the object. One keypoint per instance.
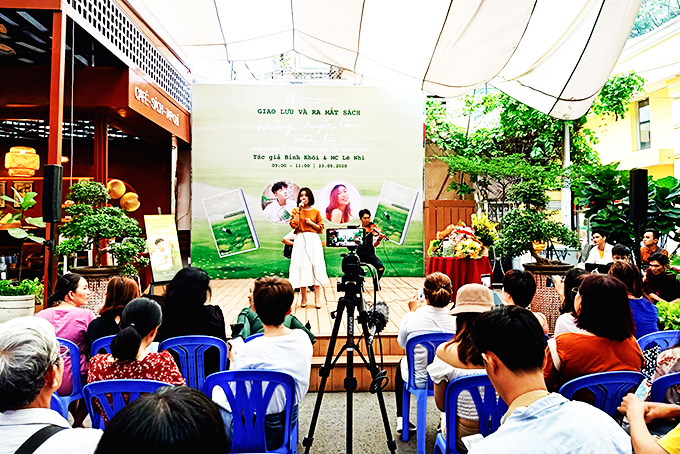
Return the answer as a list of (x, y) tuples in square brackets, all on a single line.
[(530, 223), (18, 298), (92, 223)]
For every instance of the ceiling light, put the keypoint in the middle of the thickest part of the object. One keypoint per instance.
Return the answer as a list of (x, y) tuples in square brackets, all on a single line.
[(22, 161), (6, 50)]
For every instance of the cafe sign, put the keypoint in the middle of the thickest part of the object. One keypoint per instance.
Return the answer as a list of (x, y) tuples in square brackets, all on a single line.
[(148, 100)]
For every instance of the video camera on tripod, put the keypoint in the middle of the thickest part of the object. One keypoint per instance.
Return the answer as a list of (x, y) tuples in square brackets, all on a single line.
[(372, 322), (353, 276)]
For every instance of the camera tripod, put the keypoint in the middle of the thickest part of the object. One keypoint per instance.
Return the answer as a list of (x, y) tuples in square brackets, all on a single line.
[(352, 285)]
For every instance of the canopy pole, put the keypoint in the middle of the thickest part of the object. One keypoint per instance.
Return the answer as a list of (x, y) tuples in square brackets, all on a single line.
[(566, 184)]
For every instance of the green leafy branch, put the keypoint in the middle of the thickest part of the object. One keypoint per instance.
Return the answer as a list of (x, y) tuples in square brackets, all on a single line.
[(25, 202)]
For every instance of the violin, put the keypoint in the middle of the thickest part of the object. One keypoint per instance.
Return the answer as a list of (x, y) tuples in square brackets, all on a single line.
[(375, 230)]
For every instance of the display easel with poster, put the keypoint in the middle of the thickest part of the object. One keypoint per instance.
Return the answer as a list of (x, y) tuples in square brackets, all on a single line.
[(163, 244)]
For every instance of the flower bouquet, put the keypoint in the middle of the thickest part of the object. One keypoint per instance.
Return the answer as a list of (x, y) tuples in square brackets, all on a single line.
[(456, 241)]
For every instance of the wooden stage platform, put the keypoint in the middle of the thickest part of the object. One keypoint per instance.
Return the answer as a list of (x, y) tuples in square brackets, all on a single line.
[(232, 297)]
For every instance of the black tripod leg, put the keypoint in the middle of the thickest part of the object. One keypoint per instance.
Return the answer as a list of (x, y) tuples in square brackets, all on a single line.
[(350, 381), (374, 370), (324, 372)]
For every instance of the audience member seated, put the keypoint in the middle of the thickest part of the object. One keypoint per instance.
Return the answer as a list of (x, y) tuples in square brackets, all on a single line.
[(427, 315), (128, 358), (621, 253), (70, 321), (175, 419), (601, 254), (567, 288), (251, 323), (650, 245), (659, 284), (185, 313), (668, 362), (519, 288), (640, 414), (120, 290), (458, 358), (607, 343), (511, 343), (645, 314), (31, 369), (279, 348)]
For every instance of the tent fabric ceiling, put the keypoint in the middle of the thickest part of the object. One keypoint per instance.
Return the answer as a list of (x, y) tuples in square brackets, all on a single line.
[(552, 55)]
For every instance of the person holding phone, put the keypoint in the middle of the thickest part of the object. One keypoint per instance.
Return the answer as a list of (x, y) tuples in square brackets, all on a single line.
[(428, 312), (307, 263)]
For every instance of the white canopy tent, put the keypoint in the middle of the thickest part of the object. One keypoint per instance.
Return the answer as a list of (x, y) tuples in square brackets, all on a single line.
[(553, 55)]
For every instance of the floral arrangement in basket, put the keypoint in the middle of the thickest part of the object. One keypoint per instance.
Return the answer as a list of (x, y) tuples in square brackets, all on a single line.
[(456, 241)]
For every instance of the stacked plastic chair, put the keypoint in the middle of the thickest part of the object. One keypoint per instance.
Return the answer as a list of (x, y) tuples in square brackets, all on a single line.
[(490, 409), (191, 353), (430, 342), (115, 389), (249, 393)]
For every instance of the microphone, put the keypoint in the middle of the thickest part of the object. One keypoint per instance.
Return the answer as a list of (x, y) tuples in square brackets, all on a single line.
[(378, 316)]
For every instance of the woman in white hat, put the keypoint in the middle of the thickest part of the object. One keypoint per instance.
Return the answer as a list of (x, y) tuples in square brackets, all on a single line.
[(459, 358)]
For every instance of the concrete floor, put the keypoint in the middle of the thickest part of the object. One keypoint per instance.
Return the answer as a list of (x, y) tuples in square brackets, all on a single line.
[(369, 433)]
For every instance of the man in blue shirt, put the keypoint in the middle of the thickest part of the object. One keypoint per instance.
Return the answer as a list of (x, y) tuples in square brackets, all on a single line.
[(512, 345)]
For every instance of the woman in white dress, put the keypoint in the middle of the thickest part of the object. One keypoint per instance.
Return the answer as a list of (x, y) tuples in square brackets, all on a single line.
[(307, 263)]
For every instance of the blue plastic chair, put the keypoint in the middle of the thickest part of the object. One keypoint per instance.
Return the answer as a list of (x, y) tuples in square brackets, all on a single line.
[(191, 352), (663, 339), (430, 342), (248, 393), (103, 343), (661, 385), (253, 336), (608, 388), (77, 389), (116, 389), (490, 409), (55, 404)]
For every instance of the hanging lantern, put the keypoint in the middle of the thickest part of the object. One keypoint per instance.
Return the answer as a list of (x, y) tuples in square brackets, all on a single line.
[(116, 188), (130, 201), (22, 161)]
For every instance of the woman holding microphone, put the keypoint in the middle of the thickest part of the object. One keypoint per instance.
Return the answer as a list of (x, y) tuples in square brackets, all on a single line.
[(307, 264)]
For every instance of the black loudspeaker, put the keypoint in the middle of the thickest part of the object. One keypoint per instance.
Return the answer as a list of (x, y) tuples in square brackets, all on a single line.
[(639, 196), (51, 197)]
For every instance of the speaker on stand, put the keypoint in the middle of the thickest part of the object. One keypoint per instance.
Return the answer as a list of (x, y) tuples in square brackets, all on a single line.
[(51, 209), (639, 200)]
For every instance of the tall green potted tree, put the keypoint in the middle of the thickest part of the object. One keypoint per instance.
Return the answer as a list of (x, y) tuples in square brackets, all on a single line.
[(92, 223), (530, 223)]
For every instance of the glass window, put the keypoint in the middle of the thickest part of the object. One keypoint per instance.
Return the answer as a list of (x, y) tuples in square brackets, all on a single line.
[(644, 129)]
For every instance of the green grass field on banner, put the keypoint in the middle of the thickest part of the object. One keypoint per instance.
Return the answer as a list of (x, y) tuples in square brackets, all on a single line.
[(268, 260)]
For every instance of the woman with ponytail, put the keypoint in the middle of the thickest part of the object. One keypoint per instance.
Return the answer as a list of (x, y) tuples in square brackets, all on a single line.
[(70, 321), (428, 313), (129, 359)]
